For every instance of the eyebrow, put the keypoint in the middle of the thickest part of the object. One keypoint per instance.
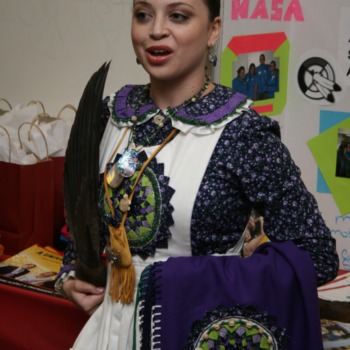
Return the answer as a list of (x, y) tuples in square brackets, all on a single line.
[(171, 5), (145, 3)]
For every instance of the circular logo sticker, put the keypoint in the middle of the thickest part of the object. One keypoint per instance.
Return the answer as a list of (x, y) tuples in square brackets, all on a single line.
[(319, 80)]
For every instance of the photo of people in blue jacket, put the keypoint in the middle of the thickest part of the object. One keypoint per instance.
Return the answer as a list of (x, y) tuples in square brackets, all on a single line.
[(259, 81)]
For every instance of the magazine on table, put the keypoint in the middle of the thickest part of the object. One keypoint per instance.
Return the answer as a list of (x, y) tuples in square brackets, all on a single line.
[(336, 335), (34, 268)]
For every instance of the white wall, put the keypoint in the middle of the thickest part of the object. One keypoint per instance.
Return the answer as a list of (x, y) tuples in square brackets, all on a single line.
[(49, 49)]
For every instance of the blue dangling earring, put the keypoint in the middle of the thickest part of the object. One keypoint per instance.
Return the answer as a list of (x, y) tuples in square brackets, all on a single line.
[(213, 58)]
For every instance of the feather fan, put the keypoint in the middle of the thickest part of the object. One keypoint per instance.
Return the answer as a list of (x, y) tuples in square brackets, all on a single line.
[(81, 180)]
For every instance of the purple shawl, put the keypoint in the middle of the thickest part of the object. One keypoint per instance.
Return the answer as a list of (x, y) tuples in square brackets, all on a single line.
[(276, 287)]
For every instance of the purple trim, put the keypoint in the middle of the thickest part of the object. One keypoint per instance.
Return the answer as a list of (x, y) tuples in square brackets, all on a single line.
[(234, 102), (123, 113), (65, 269), (120, 109)]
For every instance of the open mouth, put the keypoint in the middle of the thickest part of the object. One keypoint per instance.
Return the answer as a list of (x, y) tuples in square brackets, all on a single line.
[(159, 53)]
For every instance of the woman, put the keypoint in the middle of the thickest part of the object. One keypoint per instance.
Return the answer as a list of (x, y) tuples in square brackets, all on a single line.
[(194, 198), (272, 80), (252, 82), (239, 84)]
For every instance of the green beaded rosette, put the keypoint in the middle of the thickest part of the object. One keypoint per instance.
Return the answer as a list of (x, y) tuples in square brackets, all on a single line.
[(240, 327)]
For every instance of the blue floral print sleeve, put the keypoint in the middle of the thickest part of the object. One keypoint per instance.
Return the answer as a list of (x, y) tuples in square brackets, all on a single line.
[(272, 183)]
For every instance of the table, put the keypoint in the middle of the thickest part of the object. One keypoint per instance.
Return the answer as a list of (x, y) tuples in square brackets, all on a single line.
[(33, 320), (336, 310), (333, 310)]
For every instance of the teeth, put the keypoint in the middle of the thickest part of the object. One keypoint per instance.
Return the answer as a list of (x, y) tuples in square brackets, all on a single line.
[(159, 52)]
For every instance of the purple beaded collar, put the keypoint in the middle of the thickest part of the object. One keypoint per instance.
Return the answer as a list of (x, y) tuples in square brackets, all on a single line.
[(212, 108)]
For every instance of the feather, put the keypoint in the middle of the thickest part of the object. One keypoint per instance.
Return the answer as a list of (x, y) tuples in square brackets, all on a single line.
[(81, 181)]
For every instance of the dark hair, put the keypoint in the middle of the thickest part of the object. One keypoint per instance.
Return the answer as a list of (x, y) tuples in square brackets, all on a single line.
[(214, 8), (240, 69)]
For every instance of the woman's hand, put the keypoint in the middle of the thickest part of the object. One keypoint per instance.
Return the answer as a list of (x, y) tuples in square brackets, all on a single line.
[(249, 247), (85, 295)]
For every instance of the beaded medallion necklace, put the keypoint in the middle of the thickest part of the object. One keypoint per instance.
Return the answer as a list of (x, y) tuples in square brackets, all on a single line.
[(127, 163)]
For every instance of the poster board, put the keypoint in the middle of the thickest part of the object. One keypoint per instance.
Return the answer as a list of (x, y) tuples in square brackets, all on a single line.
[(310, 41)]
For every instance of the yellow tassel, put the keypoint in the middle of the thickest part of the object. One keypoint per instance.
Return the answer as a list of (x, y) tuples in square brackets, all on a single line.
[(122, 284), (120, 244)]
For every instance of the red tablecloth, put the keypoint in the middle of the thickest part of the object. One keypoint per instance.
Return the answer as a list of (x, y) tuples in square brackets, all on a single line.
[(30, 320)]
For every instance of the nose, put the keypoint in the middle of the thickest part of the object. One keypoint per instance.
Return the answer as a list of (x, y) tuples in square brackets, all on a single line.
[(159, 28)]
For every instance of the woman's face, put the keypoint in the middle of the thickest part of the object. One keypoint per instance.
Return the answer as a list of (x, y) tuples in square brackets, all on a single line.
[(171, 38), (262, 59)]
